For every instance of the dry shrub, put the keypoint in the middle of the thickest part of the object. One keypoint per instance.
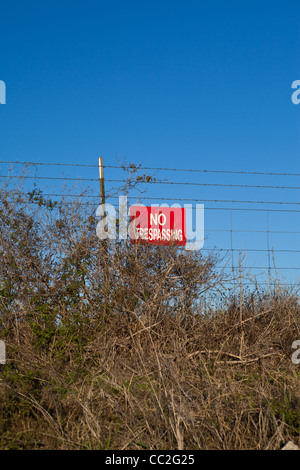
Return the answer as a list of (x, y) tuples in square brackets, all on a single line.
[(115, 346)]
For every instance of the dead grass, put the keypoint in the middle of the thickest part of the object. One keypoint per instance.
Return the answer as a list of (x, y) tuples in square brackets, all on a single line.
[(134, 347)]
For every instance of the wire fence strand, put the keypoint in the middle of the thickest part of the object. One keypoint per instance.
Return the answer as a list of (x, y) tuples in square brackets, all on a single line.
[(141, 167), (91, 198)]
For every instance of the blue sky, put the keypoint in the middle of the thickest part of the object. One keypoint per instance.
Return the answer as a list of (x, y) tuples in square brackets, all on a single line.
[(192, 84)]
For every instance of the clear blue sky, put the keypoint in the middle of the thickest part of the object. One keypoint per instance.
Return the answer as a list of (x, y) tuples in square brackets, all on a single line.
[(189, 84)]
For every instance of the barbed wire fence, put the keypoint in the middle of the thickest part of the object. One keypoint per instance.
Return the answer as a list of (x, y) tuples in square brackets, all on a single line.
[(232, 225)]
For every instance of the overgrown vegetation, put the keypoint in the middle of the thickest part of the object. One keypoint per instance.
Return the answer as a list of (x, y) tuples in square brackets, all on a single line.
[(114, 346)]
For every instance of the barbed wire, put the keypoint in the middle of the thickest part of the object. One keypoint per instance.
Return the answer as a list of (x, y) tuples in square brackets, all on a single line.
[(133, 166), (141, 181), (245, 209), (240, 250), (259, 267), (294, 232), (215, 200), (151, 198), (160, 198), (253, 231)]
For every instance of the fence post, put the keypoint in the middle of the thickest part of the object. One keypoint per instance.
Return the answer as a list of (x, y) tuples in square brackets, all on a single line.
[(101, 177)]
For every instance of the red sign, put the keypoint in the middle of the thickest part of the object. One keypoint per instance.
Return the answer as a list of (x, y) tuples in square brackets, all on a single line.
[(157, 225)]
